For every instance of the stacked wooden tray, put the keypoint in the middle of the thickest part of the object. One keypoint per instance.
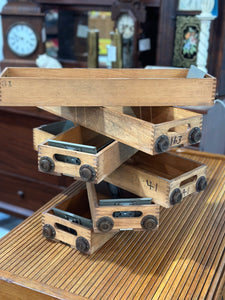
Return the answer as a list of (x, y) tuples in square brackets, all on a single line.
[(120, 124), (112, 170)]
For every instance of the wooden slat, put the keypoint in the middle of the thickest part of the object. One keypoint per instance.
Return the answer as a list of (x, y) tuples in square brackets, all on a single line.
[(184, 259)]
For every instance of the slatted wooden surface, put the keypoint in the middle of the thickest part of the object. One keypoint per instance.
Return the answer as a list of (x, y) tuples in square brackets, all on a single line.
[(184, 259)]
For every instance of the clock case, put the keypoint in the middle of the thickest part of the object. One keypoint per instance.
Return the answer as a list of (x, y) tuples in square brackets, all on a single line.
[(136, 11), (25, 13)]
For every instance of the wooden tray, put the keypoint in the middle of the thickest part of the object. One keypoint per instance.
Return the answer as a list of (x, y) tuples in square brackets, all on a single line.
[(149, 129), (105, 218), (77, 236), (104, 87), (81, 165), (167, 178)]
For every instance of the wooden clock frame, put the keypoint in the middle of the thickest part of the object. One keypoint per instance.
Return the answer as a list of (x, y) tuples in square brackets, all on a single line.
[(136, 10), (27, 13)]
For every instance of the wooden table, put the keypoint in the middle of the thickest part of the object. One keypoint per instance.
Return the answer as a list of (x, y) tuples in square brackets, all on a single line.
[(184, 259)]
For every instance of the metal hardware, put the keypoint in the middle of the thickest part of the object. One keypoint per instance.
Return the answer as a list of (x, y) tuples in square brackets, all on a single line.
[(68, 159), (48, 231), (73, 146), (105, 224), (57, 127), (87, 173), (82, 244), (201, 184), (21, 194), (46, 164), (195, 135), (176, 196), (149, 222), (162, 144), (125, 202), (127, 214), (195, 72), (72, 218)]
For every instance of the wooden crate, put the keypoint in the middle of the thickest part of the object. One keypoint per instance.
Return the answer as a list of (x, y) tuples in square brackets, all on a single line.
[(105, 218), (77, 236), (104, 87), (149, 129), (167, 178), (81, 165)]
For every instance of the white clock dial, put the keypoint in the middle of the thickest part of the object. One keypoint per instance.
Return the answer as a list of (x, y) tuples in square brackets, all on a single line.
[(125, 26), (22, 39)]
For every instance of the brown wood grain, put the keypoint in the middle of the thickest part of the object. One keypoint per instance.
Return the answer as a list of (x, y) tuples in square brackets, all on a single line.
[(133, 127), (101, 87)]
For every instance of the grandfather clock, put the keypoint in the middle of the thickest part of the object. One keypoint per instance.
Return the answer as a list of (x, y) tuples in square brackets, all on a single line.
[(23, 34), (128, 15)]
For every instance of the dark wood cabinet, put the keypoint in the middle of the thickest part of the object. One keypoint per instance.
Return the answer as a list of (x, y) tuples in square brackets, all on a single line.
[(22, 185)]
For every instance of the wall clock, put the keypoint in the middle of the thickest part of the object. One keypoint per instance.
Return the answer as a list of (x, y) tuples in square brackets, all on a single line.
[(23, 34), (128, 14), (22, 39)]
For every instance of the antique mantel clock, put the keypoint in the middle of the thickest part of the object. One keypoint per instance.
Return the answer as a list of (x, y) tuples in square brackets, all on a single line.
[(128, 14), (23, 33)]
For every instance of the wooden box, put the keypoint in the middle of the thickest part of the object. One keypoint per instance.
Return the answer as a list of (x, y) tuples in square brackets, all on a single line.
[(121, 216), (150, 129), (63, 154), (104, 87), (167, 178), (67, 231)]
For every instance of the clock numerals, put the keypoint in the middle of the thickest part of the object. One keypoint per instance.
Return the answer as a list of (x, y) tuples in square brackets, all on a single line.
[(22, 39)]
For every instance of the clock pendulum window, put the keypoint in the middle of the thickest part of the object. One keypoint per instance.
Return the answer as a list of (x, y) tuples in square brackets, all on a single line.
[(23, 34)]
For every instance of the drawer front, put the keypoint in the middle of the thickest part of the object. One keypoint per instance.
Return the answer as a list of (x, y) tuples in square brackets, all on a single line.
[(26, 193)]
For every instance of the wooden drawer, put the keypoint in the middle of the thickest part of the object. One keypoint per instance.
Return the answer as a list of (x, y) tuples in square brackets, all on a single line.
[(77, 232), (64, 154), (149, 129), (104, 87), (167, 178), (26, 193), (119, 216)]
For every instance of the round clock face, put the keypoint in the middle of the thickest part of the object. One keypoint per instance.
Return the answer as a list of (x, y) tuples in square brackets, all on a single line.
[(22, 39), (125, 26)]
